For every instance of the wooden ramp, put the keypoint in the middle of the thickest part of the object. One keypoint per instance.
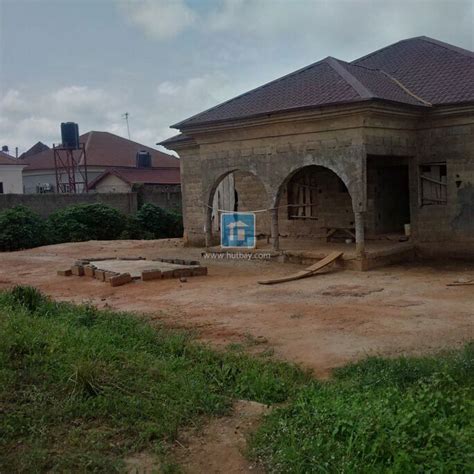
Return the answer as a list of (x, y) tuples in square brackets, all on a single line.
[(307, 272)]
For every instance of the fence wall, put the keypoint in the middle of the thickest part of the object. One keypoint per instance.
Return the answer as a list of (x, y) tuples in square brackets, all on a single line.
[(166, 197), (46, 204)]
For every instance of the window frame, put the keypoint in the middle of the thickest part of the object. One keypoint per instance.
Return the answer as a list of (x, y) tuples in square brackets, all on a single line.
[(438, 194)]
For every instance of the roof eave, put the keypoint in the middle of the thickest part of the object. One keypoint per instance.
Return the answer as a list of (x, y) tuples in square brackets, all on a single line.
[(175, 140), (15, 165), (321, 108)]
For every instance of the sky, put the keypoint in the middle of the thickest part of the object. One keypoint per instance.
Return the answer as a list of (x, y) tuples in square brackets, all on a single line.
[(90, 61)]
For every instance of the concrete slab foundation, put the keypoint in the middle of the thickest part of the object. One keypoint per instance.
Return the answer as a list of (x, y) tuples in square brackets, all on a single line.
[(378, 253), (137, 267)]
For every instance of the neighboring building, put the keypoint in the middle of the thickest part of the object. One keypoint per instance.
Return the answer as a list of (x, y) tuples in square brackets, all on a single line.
[(38, 147), (104, 151), (11, 181), (161, 185), (359, 149)]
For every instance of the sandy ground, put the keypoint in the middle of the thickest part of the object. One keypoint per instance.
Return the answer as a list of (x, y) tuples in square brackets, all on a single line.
[(320, 322)]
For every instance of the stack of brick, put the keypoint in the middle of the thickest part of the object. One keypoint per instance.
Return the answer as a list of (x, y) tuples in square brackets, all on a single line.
[(156, 274), (84, 267)]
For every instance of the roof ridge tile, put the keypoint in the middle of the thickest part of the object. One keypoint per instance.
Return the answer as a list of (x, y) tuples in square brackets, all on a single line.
[(392, 79), (357, 85), (406, 89)]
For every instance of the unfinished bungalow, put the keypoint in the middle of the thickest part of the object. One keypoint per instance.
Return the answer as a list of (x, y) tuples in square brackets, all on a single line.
[(373, 156)]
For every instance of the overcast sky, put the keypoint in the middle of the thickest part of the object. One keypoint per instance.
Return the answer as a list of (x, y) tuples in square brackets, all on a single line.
[(164, 60)]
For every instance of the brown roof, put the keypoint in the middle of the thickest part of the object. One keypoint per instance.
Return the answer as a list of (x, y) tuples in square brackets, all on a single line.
[(179, 138), (35, 149), (416, 72), (104, 149), (142, 175), (438, 72), (6, 159)]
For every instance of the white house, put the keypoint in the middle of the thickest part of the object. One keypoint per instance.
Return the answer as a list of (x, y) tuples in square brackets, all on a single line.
[(11, 179)]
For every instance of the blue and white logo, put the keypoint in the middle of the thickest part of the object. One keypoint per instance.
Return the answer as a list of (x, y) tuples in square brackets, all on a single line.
[(238, 230)]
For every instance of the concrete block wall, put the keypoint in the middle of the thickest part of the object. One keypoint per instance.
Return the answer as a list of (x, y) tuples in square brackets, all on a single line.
[(46, 204), (127, 203), (164, 196), (333, 209), (193, 204), (272, 158), (450, 141), (273, 151), (253, 197)]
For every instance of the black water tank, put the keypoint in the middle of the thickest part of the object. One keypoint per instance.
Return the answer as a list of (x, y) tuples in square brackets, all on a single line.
[(70, 135), (143, 159)]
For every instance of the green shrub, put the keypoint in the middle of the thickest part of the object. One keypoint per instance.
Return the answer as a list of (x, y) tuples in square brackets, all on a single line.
[(133, 230), (21, 228), (400, 416), (87, 222), (28, 297), (160, 222)]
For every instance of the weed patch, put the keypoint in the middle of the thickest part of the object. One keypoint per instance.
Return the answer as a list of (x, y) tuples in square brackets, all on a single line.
[(81, 389), (403, 415)]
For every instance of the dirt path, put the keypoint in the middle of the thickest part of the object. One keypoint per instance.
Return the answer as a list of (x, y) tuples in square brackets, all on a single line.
[(220, 446), (321, 322)]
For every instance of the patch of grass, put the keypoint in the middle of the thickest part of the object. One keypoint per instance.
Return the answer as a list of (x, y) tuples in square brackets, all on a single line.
[(80, 389), (405, 415)]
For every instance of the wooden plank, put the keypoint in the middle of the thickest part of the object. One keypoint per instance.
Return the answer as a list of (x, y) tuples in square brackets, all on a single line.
[(434, 200), (461, 283), (330, 231), (307, 272), (435, 181)]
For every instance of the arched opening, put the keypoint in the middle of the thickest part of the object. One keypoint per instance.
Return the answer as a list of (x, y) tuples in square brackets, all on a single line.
[(314, 204), (237, 191)]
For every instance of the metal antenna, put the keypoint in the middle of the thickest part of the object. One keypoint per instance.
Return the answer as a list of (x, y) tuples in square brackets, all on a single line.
[(125, 116)]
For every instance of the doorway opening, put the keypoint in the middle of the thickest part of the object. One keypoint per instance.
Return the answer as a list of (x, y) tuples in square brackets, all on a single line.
[(389, 194)]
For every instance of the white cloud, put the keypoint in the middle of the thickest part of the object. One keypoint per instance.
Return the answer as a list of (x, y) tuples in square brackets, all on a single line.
[(28, 117), (12, 103), (37, 126), (167, 88), (162, 19), (32, 117), (342, 25), (76, 99), (181, 99)]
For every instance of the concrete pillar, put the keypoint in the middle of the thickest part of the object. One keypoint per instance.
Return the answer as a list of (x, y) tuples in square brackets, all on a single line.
[(274, 229), (359, 232), (208, 227)]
